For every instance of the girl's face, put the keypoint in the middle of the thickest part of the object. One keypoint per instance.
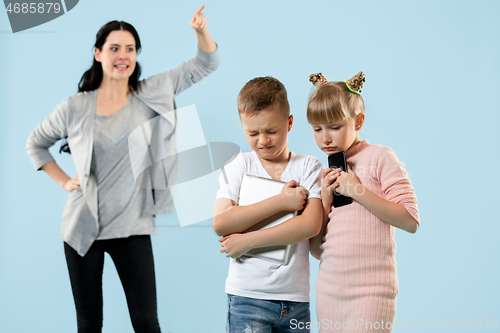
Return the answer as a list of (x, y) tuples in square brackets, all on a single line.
[(339, 135), (118, 55)]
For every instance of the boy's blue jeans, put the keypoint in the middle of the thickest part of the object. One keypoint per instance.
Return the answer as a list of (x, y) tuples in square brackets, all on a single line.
[(250, 315)]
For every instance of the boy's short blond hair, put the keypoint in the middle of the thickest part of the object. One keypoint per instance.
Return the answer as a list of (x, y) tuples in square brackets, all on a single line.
[(263, 93)]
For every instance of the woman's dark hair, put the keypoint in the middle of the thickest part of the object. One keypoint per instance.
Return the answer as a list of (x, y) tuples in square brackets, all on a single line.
[(92, 78)]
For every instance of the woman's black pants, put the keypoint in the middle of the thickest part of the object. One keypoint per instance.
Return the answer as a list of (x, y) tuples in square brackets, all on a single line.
[(133, 258)]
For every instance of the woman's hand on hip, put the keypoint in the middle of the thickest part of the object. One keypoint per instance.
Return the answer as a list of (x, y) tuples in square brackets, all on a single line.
[(199, 22), (72, 184)]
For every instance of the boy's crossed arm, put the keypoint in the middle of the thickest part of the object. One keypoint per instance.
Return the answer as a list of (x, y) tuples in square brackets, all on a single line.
[(230, 220)]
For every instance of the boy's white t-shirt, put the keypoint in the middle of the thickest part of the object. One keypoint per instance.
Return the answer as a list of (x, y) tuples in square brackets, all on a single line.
[(255, 277)]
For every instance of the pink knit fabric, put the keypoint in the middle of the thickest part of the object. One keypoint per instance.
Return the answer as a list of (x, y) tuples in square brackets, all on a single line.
[(357, 280)]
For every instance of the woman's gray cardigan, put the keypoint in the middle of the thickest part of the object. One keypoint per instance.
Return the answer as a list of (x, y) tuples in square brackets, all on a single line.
[(74, 119)]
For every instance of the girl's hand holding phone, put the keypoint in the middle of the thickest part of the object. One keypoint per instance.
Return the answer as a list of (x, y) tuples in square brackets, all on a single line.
[(348, 184), (328, 178)]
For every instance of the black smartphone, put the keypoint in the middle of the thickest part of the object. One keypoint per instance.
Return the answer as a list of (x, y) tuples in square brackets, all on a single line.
[(335, 161)]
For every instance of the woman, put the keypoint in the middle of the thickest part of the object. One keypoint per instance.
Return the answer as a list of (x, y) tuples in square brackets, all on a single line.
[(106, 210)]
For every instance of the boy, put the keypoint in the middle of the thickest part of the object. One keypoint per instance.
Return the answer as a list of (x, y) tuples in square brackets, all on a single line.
[(264, 296)]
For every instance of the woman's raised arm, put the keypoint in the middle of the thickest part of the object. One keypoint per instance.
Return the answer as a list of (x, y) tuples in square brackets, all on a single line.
[(199, 23)]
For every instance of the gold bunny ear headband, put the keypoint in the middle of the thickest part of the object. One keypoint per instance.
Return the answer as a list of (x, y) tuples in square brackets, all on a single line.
[(354, 84)]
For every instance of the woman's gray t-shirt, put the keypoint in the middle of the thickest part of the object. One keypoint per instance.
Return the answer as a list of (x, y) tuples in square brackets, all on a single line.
[(123, 205)]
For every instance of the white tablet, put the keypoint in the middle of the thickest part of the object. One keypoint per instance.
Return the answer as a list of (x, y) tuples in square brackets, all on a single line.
[(252, 190)]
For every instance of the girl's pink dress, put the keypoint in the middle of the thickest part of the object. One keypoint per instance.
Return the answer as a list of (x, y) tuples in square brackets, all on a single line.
[(357, 281)]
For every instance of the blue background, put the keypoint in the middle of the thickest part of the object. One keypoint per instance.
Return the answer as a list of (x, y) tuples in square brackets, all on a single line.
[(432, 81)]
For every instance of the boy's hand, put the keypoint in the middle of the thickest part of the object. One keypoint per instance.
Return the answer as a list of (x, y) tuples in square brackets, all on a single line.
[(348, 184), (235, 245), (199, 22), (293, 197), (328, 178)]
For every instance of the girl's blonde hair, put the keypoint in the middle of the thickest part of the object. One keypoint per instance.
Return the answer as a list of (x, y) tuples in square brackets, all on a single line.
[(333, 101)]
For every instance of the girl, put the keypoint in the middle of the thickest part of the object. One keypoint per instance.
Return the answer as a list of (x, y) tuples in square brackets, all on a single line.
[(106, 210), (357, 280)]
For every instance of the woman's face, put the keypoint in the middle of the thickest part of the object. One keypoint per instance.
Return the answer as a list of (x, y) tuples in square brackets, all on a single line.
[(118, 55)]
